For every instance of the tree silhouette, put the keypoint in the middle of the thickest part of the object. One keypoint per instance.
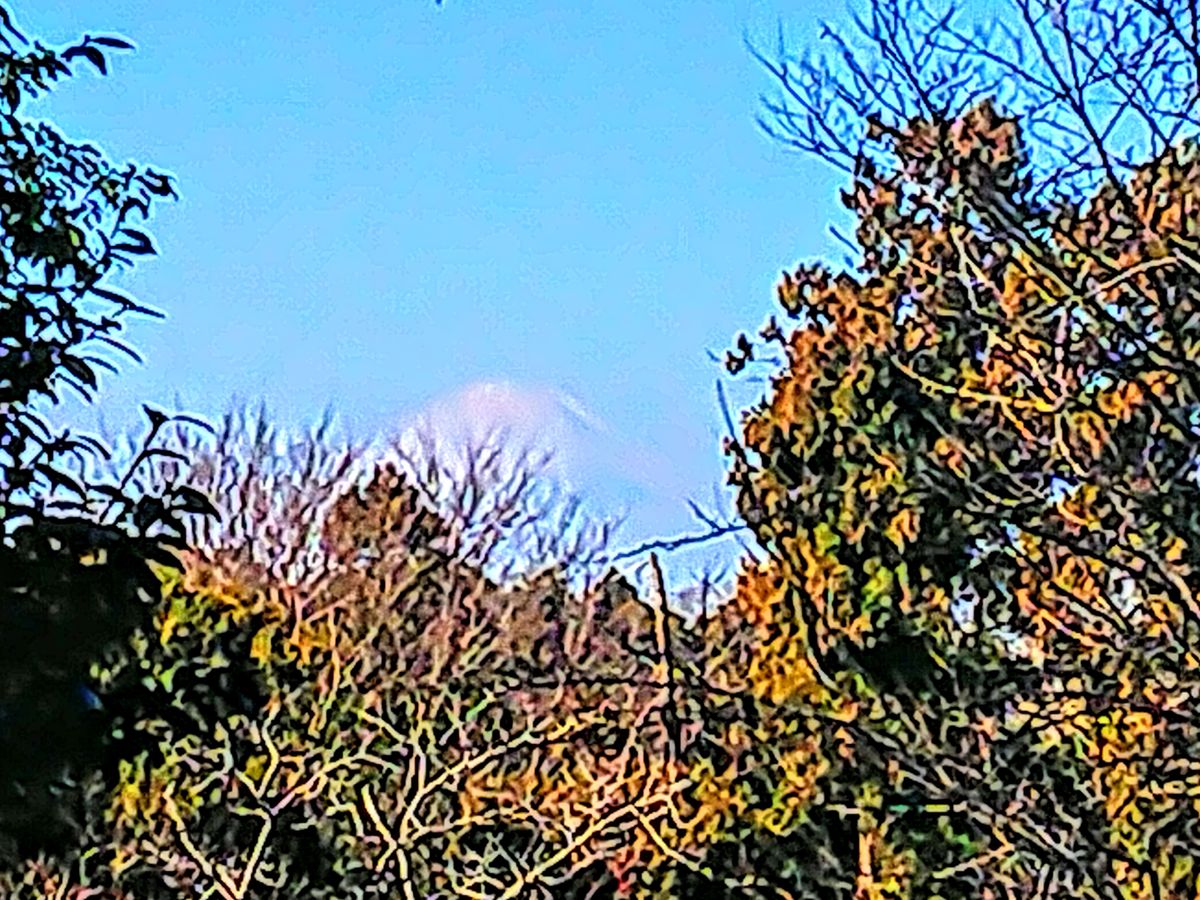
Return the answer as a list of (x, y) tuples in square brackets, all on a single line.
[(76, 553)]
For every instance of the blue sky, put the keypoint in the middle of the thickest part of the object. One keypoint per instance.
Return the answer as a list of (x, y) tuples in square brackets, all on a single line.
[(392, 209)]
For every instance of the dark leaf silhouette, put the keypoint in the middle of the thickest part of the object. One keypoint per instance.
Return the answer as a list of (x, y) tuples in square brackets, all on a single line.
[(114, 42), (141, 245), (57, 478), (80, 370), (91, 54), (193, 501)]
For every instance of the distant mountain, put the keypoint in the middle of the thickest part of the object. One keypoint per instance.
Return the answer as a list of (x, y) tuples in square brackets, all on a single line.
[(613, 473)]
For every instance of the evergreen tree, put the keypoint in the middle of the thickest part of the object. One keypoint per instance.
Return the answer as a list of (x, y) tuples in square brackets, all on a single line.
[(76, 553)]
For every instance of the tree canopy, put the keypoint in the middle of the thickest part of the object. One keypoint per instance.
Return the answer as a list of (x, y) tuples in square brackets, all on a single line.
[(965, 663), (975, 477)]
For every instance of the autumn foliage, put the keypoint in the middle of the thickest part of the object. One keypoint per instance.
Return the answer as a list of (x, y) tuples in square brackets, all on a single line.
[(975, 479), (962, 662), (976, 482)]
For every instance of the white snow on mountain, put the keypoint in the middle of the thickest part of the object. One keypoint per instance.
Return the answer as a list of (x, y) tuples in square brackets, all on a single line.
[(589, 455), (614, 473)]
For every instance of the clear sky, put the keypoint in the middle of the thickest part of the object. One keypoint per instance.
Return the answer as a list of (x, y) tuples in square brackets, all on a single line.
[(391, 209)]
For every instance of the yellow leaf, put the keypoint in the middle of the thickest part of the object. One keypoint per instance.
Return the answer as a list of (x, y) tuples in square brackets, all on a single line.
[(1174, 549)]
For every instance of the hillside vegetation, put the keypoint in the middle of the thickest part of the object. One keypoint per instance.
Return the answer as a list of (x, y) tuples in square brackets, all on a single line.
[(964, 660)]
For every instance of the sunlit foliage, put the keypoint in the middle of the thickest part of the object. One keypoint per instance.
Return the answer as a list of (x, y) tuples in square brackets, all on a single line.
[(963, 664), (975, 479)]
